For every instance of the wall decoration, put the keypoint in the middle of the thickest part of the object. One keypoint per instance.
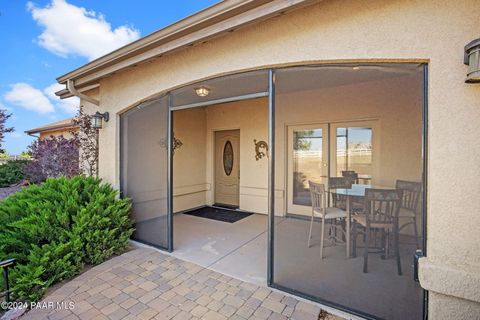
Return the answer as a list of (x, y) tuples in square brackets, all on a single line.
[(260, 145), (176, 144)]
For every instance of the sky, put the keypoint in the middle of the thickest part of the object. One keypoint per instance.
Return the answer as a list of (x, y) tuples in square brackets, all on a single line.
[(42, 40)]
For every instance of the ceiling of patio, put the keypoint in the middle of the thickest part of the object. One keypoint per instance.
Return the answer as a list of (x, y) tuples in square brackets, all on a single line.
[(292, 80), (309, 78), (223, 87)]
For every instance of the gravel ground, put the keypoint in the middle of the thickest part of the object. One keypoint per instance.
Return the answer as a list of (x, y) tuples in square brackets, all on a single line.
[(4, 192)]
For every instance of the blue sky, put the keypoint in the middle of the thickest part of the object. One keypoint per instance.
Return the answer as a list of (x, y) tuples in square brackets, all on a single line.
[(42, 40)]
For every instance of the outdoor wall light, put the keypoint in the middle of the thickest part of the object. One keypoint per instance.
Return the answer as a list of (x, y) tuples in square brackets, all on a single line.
[(202, 91), (472, 60), (97, 119)]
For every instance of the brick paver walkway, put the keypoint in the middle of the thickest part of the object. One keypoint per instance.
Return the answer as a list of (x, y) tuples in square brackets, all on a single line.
[(146, 284)]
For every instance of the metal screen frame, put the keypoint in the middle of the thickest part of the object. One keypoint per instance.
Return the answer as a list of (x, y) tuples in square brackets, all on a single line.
[(271, 192), (271, 179)]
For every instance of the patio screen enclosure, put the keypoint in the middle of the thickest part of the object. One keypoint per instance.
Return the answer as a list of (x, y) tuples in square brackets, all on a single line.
[(324, 121)]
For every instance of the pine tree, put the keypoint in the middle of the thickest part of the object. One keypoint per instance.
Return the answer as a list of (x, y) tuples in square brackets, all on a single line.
[(3, 127)]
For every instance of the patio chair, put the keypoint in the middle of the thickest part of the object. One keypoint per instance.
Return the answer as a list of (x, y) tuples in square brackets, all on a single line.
[(339, 201), (381, 214), (320, 210), (350, 174), (408, 209)]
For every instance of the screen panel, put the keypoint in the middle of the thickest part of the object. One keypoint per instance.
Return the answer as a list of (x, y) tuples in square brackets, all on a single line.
[(373, 118), (225, 87), (144, 170)]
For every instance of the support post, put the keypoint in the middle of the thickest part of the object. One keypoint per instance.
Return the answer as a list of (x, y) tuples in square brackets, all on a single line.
[(170, 175), (271, 174)]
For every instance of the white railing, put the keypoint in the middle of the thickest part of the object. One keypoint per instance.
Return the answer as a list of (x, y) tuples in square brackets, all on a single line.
[(12, 158), (340, 153)]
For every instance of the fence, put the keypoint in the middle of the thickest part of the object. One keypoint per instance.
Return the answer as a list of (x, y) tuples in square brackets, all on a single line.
[(12, 158)]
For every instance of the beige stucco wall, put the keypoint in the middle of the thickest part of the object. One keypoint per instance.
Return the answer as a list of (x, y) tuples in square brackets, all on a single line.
[(189, 161), (194, 165), (66, 133), (429, 30), (250, 117)]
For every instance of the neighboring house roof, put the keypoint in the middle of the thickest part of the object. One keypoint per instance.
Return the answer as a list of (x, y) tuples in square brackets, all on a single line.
[(59, 125), (221, 18)]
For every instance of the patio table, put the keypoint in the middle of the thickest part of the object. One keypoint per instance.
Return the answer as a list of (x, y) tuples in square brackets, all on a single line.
[(357, 191), (365, 178)]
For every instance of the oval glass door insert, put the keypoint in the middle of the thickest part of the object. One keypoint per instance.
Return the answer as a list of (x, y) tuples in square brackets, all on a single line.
[(228, 158)]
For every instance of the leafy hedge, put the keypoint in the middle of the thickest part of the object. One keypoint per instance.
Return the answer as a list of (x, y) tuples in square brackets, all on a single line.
[(53, 157), (12, 172), (54, 228)]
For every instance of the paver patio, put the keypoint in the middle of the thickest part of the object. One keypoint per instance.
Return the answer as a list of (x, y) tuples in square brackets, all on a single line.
[(146, 284)]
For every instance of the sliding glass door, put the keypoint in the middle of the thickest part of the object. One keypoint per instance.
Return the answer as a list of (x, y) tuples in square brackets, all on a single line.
[(307, 161), (354, 147)]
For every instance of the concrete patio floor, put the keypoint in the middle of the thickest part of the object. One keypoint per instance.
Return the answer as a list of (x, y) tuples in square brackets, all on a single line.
[(239, 250), (236, 249), (146, 284)]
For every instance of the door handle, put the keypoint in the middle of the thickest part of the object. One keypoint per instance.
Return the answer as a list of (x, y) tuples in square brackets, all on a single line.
[(416, 256)]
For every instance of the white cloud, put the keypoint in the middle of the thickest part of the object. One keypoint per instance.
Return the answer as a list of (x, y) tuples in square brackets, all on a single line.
[(71, 30), (16, 135), (69, 105), (30, 98), (41, 101)]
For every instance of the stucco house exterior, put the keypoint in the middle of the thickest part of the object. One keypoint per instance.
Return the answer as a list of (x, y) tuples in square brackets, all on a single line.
[(375, 87), (63, 128)]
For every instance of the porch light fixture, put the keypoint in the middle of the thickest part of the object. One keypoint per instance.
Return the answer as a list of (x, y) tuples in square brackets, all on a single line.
[(472, 60), (202, 91), (97, 119)]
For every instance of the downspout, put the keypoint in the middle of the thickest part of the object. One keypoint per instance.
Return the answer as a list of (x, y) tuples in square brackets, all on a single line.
[(71, 88)]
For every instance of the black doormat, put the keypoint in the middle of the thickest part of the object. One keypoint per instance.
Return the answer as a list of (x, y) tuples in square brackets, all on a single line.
[(226, 206), (219, 214)]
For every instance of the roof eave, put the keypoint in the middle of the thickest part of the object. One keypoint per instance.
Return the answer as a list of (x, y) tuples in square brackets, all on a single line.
[(184, 32), (200, 17), (47, 128)]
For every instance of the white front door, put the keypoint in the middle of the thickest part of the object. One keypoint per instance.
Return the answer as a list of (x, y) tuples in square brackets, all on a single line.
[(227, 167), (307, 160)]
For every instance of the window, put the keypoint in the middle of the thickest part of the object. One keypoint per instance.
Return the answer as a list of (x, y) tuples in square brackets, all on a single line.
[(354, 152)]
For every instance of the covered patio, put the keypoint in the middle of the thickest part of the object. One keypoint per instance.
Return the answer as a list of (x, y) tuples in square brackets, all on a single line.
[(253, 142), (238, 250)]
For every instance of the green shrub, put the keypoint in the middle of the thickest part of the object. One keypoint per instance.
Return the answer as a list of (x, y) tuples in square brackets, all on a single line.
[(54, 228), (11, 172)]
